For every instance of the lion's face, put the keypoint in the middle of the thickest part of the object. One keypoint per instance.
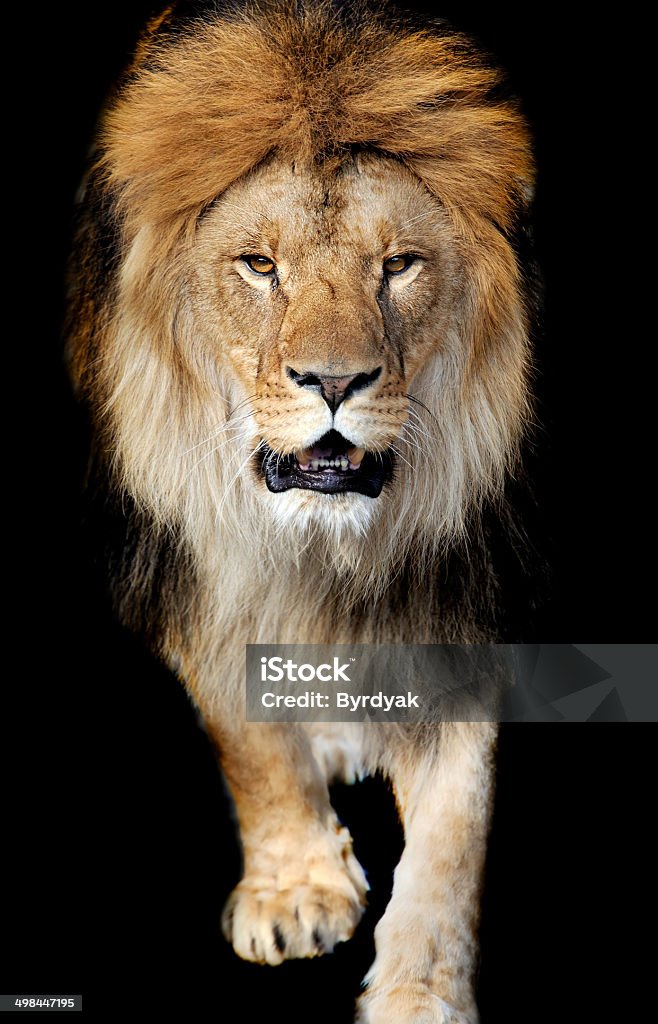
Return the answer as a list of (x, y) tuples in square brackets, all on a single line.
[(325, 292)]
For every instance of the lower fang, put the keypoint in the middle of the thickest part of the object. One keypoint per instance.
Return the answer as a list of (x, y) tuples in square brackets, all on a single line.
[(303, 457), (355, 455)]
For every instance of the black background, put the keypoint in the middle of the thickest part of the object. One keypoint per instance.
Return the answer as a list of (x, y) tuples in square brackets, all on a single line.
[(119, 849)]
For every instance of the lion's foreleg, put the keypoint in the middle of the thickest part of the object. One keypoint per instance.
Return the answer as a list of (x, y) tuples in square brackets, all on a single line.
[(302, 890), (426, 941)]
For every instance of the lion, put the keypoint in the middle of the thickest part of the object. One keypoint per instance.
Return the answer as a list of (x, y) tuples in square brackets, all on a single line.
[(300, 323)]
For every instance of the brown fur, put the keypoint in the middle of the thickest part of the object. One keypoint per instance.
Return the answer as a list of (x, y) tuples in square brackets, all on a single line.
[(327, 142)]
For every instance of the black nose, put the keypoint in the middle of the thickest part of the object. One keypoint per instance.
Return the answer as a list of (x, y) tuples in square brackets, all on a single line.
[(334, 390)]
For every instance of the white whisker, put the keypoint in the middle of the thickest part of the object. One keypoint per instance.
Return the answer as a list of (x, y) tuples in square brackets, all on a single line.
[(400, 455), (225, 427), (229, 486)]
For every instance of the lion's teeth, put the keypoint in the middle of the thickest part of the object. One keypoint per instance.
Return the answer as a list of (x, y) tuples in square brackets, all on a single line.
[(303, 457), (355, 455), (349, 460)]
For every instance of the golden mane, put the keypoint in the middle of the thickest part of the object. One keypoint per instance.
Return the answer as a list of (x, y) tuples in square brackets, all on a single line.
[(200, 111)]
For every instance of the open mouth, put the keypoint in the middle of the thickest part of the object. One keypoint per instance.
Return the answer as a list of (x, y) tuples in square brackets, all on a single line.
[(333, 465)]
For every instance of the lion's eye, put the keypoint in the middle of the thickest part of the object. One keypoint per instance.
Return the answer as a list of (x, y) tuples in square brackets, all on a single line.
[(399, 263), (259, 264)]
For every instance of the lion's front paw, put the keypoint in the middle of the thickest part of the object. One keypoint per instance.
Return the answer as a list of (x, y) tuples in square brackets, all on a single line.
[(409, 1004), (303, 908), (270, 925)]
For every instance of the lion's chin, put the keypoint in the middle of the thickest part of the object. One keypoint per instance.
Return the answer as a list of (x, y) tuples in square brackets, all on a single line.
[(337, 517)]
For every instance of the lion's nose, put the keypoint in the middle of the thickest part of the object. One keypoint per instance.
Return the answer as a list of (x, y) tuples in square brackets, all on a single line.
[(334, 390)]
